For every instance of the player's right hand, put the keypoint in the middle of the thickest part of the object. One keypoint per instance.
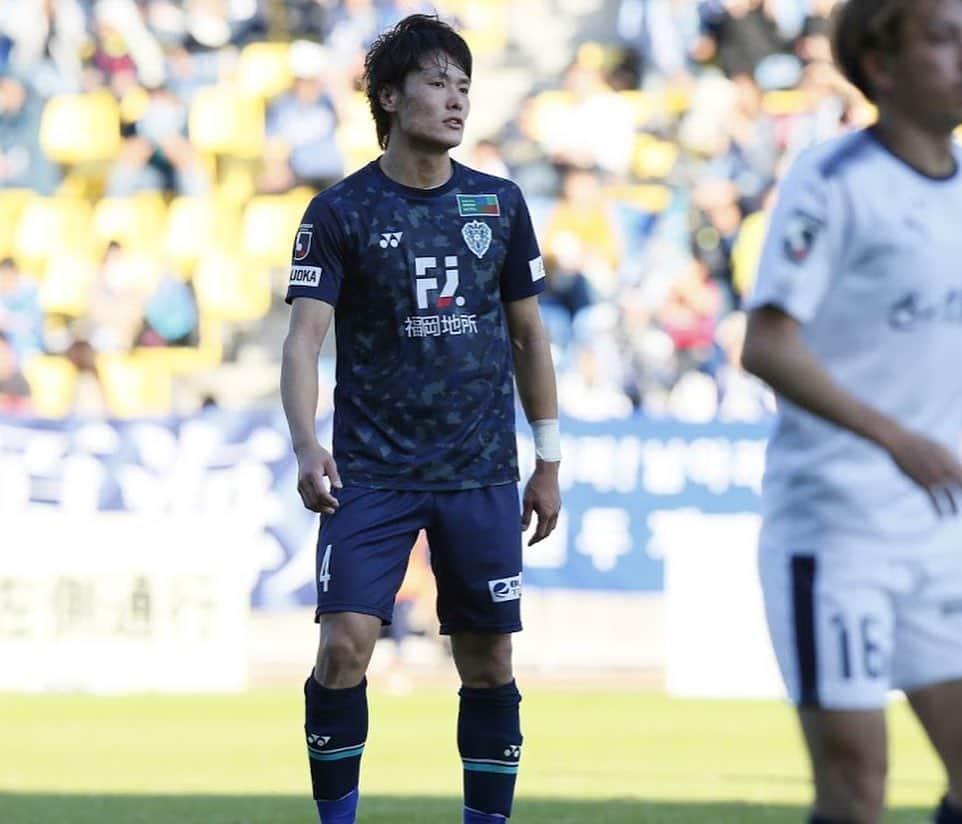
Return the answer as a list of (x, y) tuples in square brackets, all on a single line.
[(313, 467), (931, 466)]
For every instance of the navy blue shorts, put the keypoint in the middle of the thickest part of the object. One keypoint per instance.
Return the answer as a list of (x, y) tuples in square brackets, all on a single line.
[(474, 537)]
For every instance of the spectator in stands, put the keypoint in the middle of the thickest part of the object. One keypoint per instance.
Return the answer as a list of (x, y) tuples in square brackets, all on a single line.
[(689, 315), (21, 317), (156, 154), (170, 314), (22, 161), (744, 34), (46, 40), (585, 212), (302, 144), (89, 400), (14, 389), (115, 311)]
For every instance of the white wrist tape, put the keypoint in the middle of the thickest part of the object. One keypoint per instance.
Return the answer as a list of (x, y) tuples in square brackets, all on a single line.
[(547, 440)]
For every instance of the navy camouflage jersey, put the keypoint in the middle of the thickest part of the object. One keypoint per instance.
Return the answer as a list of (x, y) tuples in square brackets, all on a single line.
[(425, 393)]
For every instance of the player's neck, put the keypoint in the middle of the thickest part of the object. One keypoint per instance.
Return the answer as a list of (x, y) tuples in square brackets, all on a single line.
[(419, 170), (927, 152)]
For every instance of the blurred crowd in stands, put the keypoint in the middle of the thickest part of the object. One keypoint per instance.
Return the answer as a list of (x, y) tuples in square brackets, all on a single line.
[(156, 157)]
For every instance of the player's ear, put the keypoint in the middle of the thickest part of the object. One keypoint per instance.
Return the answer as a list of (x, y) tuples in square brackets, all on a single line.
[(879, 68), (388, 98)]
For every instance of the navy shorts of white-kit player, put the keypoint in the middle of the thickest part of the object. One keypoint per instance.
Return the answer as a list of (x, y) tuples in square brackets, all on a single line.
[(474, 537)]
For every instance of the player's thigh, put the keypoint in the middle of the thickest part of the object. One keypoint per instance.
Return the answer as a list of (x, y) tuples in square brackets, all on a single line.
[(475, 540), (937, 708), (832, 624), (363, 549)]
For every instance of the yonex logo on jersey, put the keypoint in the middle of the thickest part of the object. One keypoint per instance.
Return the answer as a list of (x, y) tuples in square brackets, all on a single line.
[(426, 283), (317, 741), (392, 239), (513, 751), (305, 276), (505, 589), (478, 206), (302, 243), (478, 237), (537, 268)]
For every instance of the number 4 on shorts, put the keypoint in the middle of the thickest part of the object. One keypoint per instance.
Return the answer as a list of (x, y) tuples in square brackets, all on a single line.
[(324, 576)]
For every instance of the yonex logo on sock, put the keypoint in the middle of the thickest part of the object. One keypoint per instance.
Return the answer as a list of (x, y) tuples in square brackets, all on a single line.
[(513, 751), (317, 741)]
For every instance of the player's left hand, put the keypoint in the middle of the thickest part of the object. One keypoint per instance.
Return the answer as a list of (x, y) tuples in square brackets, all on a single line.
[(543, 498)]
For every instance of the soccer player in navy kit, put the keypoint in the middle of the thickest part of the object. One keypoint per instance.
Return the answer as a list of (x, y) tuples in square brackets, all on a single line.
[(431, 273), (856, 322)]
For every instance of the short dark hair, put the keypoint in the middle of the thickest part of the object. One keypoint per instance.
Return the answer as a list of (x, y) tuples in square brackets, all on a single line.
[(399, 51), (861, 26)]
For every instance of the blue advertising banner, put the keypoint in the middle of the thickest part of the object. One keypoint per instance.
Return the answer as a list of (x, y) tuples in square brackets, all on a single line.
[(627, 485)]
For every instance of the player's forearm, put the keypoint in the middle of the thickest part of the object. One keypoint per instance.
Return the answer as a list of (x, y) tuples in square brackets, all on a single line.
[(535, 378), (789, 367), (299, 390)]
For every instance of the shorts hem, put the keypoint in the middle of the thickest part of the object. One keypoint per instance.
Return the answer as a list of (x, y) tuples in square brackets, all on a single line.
[(507, 629), (925, 683), (361, 610)]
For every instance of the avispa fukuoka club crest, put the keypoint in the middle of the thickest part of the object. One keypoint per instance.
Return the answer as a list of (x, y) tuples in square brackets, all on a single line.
[(478, 237)]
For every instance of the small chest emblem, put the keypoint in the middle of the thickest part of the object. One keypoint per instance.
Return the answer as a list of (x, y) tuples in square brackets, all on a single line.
[(478, 237)]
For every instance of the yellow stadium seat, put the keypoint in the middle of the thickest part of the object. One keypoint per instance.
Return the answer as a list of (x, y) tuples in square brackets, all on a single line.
[(786, 102), (12, 204), (269, 225), (80, 128), (53, 385), (653, 158), (182, 360), (747, 251), (134, 386), (66, 285), (646, 197), (197, 226), (643, 104), (676, 100), (224, 121), (264, 70), (50, 226), (136, 222), (230, 288)]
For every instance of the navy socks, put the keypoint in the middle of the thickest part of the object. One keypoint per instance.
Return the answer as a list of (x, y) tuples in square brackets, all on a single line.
[(489, 740)]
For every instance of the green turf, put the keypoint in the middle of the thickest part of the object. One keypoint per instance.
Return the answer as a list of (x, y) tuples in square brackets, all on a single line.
[(600, 757)]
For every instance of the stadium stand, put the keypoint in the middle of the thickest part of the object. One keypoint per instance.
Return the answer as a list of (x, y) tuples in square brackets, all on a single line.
[(648, 136)]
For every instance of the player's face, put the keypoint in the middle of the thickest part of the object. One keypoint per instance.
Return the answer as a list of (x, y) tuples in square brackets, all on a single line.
[(433, 105), (925, 76)]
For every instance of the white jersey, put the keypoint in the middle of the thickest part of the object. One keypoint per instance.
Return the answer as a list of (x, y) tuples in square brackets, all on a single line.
[(866, 253)]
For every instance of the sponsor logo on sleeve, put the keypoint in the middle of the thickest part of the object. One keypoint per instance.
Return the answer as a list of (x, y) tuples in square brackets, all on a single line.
[(305, 276), (302, 243), (505, 589), (479, 206), (801, 232), (536, 265)]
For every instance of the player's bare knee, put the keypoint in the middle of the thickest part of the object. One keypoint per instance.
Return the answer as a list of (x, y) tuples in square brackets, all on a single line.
[(342, 658), (483, 660)]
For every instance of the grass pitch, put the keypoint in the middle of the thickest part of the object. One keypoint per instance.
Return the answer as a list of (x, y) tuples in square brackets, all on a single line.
[(604, 758)]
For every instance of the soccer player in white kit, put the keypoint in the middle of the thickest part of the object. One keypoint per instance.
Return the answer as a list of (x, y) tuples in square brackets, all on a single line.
[(856, 323)]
